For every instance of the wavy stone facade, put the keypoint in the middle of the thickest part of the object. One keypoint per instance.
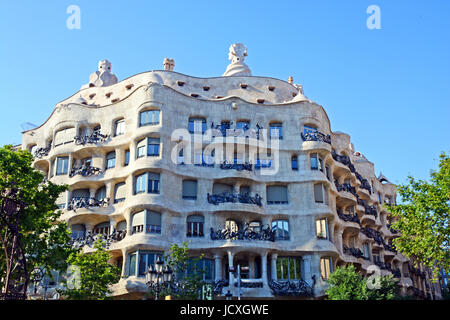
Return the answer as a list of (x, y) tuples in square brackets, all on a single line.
[(323, 207)]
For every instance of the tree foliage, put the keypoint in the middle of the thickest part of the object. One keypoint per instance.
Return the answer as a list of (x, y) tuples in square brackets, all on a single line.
[(95, 274), (422, 218), (45, 239), (348, 284)]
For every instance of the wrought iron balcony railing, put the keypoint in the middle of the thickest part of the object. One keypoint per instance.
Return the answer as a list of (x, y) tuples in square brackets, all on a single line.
[(234, 197), (349, 217), (316, 136), (364, 182), (356, 252), (236, 166), (345, 187), (42, 152), (94, 138), (88, 239), (265, 234), (85, 171), (389, 247), (290, 288), (370, 210), (78, 203), (249, 284), (345, 160), (374, 234), (383, 266)]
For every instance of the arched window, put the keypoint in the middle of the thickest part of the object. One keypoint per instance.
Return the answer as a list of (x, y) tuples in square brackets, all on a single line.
[(149, 118), (195, 224), (121, 226)]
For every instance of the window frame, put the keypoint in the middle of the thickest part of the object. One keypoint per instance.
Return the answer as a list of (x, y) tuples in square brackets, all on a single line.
[(153, 117)]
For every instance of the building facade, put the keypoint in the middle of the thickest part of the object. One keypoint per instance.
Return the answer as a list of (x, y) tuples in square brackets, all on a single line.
[(244, 168)]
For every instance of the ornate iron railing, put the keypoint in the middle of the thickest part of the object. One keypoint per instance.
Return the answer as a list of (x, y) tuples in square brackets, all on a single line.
[(345, 160), (349, 217), (316, 136), (219, 285), (290, 288), (42, 152), (345, 187), (392, 230), (89, 239), (249, 284), (374, 234), (78, 203), (356, 252), (266, 234), (370, 210), (94, 138), (234, 197), (383, 266), (389, 247), (236, 166), (85, 171)]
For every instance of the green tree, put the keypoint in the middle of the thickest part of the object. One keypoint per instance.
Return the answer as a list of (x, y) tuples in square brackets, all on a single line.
[(95, 274), (348, 284), (187, 274), (422, 218), (44, 238)]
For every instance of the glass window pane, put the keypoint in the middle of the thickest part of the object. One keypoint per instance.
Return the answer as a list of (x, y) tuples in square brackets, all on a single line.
[(132, 265), (314, 162)]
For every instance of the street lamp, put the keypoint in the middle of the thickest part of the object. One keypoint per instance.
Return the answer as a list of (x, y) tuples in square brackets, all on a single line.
[(157, 276)]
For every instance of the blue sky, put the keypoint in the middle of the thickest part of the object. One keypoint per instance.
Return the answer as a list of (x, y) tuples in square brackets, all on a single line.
[(389, 88)]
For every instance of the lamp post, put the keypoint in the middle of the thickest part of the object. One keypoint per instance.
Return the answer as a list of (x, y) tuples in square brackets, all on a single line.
[(157, 276)]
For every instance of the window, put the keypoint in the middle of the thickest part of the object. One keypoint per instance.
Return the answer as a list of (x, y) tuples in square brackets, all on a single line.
[(110, 160), (78, 231), (100, 194), (243, 190), (153, 182), (379, 198), (322, 228), (140, 261), (102, 228), (294, 163), (195, 225), (326, 268), (244, 125), (147, 183), (281, 228), (153, 222), (316, 162), (64, 136), (352, 242), (366, 250), (321, 193), (197, 125), (140, 148), (220, 188), (288, 268), (328, 173), (120, 192), (81, 194), (148, 118), (309, 129), (376, 258), (138, 221), (276, 129), (127, 157), (119, 127), (153, 147), (277, 195), (231, 225), (203, 267), (62, 165), (255, 226), (189, 191)]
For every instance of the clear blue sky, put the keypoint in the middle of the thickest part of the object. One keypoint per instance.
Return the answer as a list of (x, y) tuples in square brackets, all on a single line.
[(389, 89)]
